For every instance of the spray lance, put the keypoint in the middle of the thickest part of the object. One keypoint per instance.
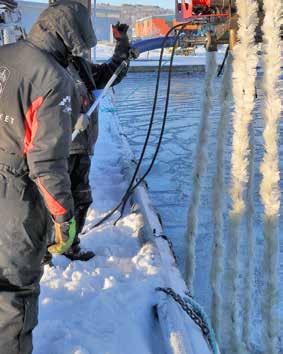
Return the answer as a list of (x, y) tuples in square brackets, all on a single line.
[(120, 34), (83, 120)]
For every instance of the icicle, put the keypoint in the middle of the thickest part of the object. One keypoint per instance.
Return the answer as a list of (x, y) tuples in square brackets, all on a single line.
[(249, 274), (269, 189), (218, 193), (200, 160), (244, 76)]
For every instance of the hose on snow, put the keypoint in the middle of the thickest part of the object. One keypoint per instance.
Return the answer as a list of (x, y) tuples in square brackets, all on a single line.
[(131, 186)]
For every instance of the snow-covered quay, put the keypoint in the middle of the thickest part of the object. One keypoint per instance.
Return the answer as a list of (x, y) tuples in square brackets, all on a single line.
[(104, 305), (109, 304)]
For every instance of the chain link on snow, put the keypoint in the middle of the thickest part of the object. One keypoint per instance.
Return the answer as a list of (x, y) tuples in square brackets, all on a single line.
[(200, 311), (189, 311), (197, 314), (170, 244)]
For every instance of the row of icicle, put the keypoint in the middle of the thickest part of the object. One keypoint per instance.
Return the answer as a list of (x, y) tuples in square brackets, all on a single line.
[(232, 318), (243, 88)]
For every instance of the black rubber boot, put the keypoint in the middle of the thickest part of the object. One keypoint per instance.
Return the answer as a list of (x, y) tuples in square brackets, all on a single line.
[(79, 166), (75, 253), (47, 259)]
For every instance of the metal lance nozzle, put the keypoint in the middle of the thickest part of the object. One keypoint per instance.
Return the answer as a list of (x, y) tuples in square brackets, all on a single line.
[(211, 42)]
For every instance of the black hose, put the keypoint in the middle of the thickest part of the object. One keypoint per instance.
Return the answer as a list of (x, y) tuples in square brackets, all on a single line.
[(162, 127), (223, 62), (130, 188)]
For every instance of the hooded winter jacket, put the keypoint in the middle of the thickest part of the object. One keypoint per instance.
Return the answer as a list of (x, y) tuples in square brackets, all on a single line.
[(38, 104)]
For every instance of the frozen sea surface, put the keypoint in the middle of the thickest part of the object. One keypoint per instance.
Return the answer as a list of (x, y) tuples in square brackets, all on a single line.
[(170, 182)]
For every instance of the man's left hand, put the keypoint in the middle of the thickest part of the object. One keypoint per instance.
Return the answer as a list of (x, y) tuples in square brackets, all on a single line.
[(122, 49)]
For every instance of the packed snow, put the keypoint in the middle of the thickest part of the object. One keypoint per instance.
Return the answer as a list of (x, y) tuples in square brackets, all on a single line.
[(109, 305), (104, 305)]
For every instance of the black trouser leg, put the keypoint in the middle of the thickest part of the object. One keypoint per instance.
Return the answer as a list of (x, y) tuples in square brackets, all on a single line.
[(18, 317), (79, 167), (23, 229)]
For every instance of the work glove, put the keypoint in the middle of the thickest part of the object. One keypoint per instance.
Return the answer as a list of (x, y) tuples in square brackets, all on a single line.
[(120, 31), (122, 48), (64, 236)]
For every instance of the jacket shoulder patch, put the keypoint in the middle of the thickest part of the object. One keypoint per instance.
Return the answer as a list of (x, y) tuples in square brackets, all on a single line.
[(4, 77)]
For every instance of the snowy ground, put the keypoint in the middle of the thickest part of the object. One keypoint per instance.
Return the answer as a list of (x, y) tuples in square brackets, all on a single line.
[(104, 305)]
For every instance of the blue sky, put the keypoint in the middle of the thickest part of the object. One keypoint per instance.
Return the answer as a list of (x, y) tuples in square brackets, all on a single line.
[(163, 3)]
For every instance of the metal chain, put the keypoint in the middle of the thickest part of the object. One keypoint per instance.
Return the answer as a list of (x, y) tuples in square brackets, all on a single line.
[(193, 315), (189, 294), (170, 244)]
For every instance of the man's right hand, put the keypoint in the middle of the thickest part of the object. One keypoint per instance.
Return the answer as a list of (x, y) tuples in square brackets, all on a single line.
[(64, 236)]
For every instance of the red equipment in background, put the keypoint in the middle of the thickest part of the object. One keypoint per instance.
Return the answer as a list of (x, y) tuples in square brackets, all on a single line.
[(155, 26), (186, 9)]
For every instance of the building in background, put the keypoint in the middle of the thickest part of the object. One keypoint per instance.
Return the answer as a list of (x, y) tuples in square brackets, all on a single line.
[(153, 26), (106, 15), (131, 13), (105, 18)]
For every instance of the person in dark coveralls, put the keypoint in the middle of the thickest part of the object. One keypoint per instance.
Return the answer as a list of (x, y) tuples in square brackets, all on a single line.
[(38, 104), (89, 77)]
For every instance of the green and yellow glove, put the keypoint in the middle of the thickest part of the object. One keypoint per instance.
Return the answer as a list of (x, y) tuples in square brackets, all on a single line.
[(64, 236)]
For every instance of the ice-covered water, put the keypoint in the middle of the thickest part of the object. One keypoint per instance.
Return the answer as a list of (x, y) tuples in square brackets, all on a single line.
[(170, 182)]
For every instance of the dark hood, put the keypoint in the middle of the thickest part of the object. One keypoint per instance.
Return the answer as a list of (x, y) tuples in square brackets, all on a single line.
[(64, 27)]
